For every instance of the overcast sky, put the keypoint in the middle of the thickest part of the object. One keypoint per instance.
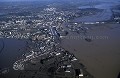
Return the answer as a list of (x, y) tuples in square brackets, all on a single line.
[(51, 0), (17, 0)]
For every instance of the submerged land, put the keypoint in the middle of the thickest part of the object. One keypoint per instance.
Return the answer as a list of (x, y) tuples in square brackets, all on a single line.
[(60, 39)]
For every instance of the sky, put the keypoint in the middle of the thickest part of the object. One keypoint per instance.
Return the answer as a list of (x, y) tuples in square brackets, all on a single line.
[(51, 0), (17, 0)]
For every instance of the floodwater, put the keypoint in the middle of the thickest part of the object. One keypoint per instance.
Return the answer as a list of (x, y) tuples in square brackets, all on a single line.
[(101, 56), (104, 15), (99, 17), (12, 49)]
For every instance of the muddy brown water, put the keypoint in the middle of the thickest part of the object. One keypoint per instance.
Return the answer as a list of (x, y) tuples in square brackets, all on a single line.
[(101, 56)]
